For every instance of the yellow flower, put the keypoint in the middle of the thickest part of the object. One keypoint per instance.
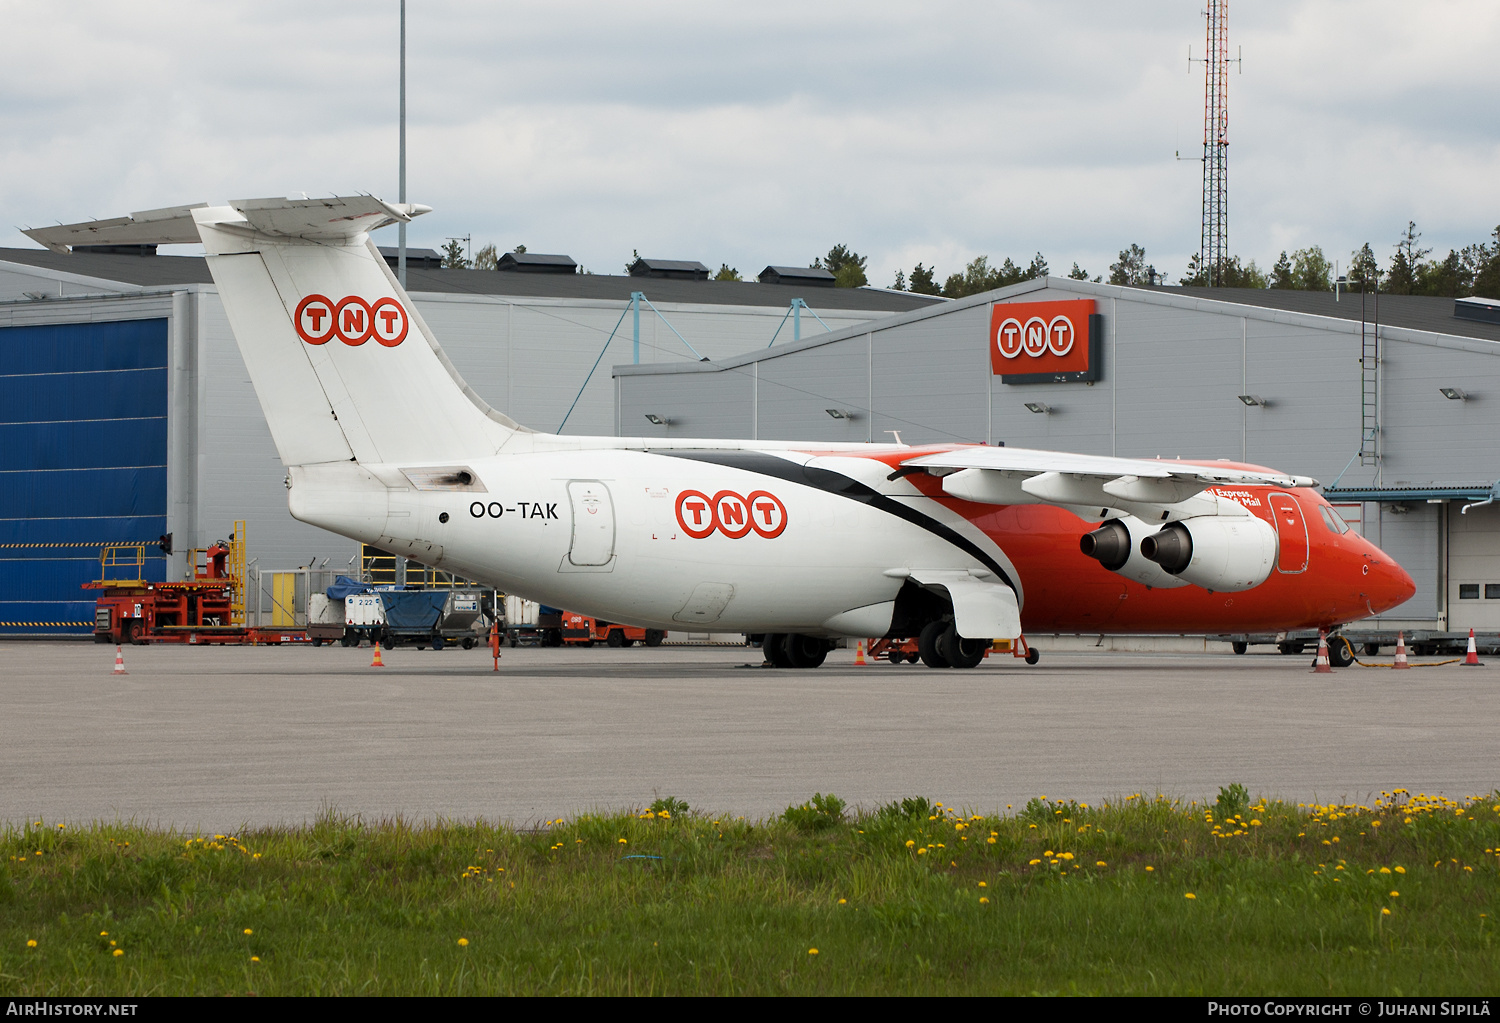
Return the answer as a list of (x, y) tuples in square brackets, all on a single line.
[(249, 931), (1189, 895), (103, 934), (31, 943), (1385, 870), (983, 900), (1385, 912), (1034, 863), (843, 901), (1150, 869), (921, 852), (255, 959), (1400, 870), (812, 951), (119, 952), (463, 942), (1101, 863), (983, 884), (910, 842), (623, 842), (991, 841), (1395, 895)]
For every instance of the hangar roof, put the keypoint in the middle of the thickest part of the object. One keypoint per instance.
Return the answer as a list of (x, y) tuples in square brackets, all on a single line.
[(1414, 312), (167, 271)]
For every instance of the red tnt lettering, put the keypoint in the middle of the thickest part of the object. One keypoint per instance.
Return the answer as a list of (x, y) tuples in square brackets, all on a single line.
[(316, 314), (389, 316), (697, 508), (732, 513), (354, 321), (766, 509)]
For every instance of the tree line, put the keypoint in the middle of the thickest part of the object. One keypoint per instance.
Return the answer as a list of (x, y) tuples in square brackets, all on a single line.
[(1471, 270)]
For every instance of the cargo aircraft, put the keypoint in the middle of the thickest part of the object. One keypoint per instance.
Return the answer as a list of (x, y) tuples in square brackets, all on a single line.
[(802, 543)]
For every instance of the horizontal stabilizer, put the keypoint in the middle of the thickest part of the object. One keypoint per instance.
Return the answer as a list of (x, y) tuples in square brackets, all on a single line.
[(170, 226), (335, 219)]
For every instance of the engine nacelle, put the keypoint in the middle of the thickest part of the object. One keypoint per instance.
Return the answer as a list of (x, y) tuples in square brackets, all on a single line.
[(1218, 553), (1116, 545)]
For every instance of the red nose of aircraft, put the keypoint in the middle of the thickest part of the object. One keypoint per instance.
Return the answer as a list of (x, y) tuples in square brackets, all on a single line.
[(1389, 585)]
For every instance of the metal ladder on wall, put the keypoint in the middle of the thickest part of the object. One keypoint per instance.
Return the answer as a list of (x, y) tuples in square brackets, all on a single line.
[(1369, 384)]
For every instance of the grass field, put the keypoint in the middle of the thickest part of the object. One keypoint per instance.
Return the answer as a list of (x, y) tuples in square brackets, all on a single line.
[(1145, 896)]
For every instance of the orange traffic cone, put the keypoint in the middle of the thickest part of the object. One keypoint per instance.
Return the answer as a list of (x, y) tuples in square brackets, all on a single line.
[(1471, 659), (377, 663), (1321, 665), (1401, 651), (120, 661), (859, 655)]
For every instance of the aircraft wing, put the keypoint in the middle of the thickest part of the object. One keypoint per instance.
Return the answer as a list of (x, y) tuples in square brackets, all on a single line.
[(1091, 485)]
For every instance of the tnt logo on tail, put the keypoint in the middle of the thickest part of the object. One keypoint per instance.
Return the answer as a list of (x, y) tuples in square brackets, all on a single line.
[(352, 320)]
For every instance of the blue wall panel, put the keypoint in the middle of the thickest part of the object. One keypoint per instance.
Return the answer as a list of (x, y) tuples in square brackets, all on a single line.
[(85, 493), (83, 461), (102, 394), (79, 347)]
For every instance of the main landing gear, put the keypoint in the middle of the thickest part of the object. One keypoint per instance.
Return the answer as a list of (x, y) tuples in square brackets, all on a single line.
[(794, 650)]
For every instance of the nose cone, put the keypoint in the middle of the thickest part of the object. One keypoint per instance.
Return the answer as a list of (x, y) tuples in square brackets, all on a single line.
[(1390, 585)]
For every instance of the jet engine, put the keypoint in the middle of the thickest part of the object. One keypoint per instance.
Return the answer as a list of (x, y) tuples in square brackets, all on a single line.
[(1116, 545), (1218, 553)]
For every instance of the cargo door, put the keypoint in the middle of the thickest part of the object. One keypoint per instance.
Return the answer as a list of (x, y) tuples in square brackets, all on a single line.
[(593, 523), (1291, 531)]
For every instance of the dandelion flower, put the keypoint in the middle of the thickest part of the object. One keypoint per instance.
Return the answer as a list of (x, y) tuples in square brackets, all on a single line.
[(1400, 870), (921, 852), (983, 884), (1150, 869), (983, 900), (1034, 863), (463, 942), (103, 934), (623, 842), (255, 959), (118, 952), (1385, 912), (31, 943), (1101, 863), (843, 901), (1395, 895), (1189, 895), (990, 840), (910, 842), (812, 951)]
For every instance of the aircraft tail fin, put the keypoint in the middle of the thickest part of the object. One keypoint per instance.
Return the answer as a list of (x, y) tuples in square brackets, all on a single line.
[(342, 363)]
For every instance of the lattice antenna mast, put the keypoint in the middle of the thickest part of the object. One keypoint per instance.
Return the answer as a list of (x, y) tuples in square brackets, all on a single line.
[(1213, 244)]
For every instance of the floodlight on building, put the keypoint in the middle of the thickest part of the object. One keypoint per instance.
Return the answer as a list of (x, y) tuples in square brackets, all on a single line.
[(1253, 399), (656, 420), (841, 413), (1454, 393), (1039, 408)]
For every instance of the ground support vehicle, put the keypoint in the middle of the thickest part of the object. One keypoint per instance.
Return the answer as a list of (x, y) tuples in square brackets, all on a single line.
[(909, 649), (1366, 642), (413, 616), (581, 630), (532, 624)]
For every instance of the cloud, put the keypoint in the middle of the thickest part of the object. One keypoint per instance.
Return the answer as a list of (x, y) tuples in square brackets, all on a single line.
[(752, 134)]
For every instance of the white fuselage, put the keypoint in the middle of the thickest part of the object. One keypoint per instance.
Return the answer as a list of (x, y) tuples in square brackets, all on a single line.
[(630, 535)]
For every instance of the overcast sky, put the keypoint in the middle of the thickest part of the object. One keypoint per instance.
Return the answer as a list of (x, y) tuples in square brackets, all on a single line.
[(758, 133)]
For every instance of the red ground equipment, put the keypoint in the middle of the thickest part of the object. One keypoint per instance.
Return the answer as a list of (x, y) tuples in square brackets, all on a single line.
[(581, 630)]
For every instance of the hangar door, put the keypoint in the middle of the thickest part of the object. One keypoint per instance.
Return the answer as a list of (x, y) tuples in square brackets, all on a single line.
[(83, 462), (1473, 568)]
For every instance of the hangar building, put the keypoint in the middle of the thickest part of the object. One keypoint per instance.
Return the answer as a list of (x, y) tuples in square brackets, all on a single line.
[(1394, 407), (126, 412)]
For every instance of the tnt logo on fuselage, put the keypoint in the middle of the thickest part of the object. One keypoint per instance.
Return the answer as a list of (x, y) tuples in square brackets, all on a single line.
[(352, 320), (730, 514)]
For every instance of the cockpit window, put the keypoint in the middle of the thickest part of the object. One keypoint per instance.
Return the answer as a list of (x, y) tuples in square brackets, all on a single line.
[(1332, 520)]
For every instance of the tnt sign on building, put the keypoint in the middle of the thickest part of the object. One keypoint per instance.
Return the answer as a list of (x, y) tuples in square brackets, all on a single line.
[(1045, 342)]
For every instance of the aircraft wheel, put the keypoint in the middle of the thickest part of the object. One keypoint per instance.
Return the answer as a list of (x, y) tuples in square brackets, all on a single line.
[(927, 645), (773, 645), (1340, 655), (805, 651), (960, 652), (615, 639), (1239, 646), (654, 637), (1370, 649), (1033, 655), (468, 642)]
